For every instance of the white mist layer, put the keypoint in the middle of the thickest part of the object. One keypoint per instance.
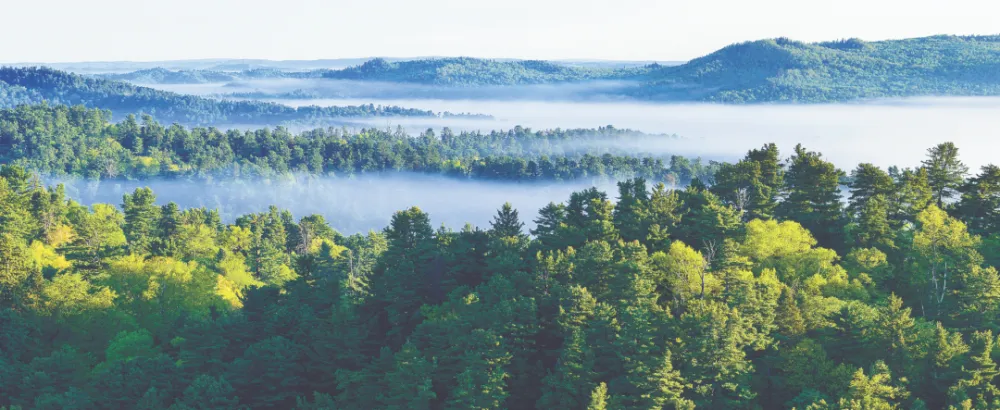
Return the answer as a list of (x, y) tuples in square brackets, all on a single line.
[(889, 132), (350, 204)]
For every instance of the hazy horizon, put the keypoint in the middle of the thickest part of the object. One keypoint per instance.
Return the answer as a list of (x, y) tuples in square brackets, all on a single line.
[(554, 29)]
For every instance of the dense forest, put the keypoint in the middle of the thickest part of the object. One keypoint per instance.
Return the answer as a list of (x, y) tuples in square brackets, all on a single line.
[(791, 71), (37, 85), (773, 70), (77, 141), (762, 288), (477, 72)]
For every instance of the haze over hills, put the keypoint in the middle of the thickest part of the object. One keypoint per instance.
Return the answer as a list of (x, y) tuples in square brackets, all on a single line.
[(773, 70), (35, 85), (614, 235), (243, 64)]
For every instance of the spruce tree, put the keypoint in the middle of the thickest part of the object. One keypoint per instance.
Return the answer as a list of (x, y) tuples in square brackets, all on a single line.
[(506, 223), (945, 171), (812, 197)]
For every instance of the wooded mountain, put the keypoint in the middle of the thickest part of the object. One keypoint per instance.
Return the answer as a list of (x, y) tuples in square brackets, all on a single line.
[(787, 70)]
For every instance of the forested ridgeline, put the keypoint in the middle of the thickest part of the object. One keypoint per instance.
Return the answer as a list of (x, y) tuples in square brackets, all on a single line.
[(76, 141), (37, 85), (770, 70), (161, 75), (763, 290)]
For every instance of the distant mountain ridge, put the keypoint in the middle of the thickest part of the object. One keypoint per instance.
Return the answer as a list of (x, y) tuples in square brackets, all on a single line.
[(762, 71), (773, 70)]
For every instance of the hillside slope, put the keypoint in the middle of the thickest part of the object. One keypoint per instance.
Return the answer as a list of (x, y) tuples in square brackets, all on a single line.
[(773, 70), (786, 70)]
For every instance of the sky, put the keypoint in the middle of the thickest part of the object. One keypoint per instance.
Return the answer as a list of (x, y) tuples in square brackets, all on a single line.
[(644, 30)]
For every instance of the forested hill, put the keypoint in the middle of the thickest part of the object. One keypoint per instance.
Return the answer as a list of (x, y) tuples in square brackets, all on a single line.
[(34, 85), (774, 70), (786, 70), (478, 72)]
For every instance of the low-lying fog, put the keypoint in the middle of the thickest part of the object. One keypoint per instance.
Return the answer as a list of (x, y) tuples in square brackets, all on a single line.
[(884, 132), (888, 132), (350, 204)]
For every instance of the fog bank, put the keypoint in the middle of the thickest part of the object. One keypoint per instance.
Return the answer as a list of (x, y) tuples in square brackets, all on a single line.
[(350, 204), (887, 132)]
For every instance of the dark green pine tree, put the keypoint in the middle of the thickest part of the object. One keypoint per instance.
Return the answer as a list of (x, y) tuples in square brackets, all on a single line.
[(483, 382), (550, 227), (506, 223), (589, 217), (664, 213), (812, 197), (945, 171), (979, 206), (913, 194), (270, 373), (16, 190), (267, 254), (648, 379), (409, 384), (405, 278), (568, 385), (208, 393), (50, 208), (787, 316), (167, 227), (630, 215), (976, 382), (705, 220), (871, 227), (867, 182), (141, 217), (753, 184)]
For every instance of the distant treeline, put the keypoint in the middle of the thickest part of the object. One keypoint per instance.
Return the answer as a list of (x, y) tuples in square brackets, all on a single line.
[(36, 85), (61, 140), (773, 70)]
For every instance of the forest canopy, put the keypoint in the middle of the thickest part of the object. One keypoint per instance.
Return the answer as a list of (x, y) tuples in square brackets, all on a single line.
[(77, 141), (765, 288)]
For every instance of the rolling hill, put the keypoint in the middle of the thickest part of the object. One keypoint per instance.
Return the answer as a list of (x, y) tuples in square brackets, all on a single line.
[(470, 72), (773, 70), (786, 70)]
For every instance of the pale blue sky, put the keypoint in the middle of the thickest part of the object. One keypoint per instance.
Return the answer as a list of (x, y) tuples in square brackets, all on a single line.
[(100, 30)]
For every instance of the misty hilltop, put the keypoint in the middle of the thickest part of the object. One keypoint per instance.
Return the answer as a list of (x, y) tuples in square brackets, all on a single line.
[(35, 85)]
